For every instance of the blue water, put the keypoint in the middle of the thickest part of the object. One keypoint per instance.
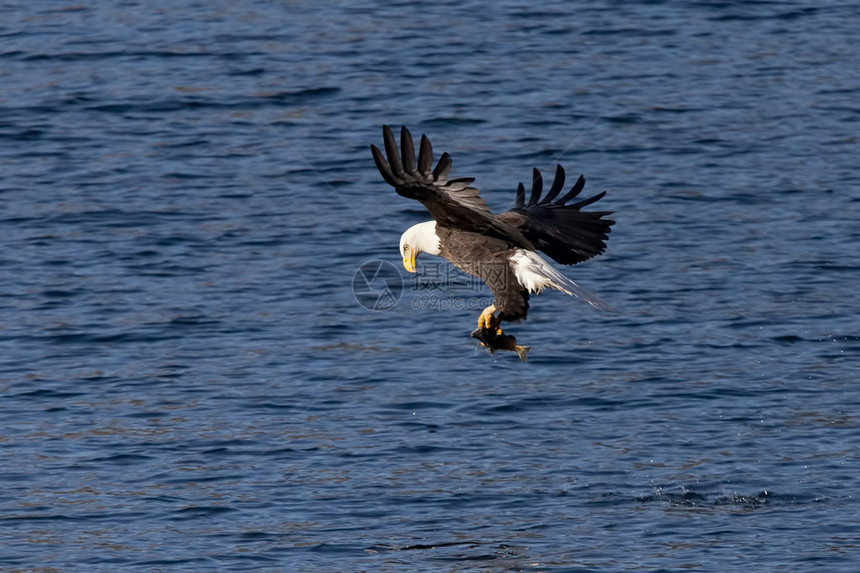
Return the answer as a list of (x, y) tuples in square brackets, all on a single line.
[(189, 384)]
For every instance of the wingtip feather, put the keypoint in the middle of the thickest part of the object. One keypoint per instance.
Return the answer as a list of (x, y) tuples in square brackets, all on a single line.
[(394, 161), (425, 155), (537, 186), (407, 150), (382, 166), (521, 196), (443, 167), (574, 191), (557, 184), (589, 201)]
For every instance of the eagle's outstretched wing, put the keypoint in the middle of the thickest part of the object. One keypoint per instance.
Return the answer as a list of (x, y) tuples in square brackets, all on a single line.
[(564, 232), (453, 203)]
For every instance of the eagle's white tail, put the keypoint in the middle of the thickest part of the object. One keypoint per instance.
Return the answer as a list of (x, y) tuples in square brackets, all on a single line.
[(536, 274)]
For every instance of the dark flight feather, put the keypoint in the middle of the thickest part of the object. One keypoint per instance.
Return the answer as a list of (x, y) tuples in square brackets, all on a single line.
[(557, 185), (443, 167), (393, 154), (537, 186), (425, 155), (574, 191), (408, 149)]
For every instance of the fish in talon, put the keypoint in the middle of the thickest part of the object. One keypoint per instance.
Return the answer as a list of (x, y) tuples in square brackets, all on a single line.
[(495, 339)]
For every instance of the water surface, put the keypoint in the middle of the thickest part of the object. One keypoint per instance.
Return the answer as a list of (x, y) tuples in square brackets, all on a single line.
[(189, 383)]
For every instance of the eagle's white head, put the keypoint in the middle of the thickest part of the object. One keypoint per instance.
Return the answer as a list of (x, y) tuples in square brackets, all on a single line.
[(417, 239)]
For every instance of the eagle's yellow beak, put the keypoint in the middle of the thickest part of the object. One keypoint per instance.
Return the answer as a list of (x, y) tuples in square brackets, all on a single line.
[(409, 260)]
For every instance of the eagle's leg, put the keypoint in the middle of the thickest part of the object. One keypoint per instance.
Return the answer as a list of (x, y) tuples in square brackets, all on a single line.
[(488, 320)]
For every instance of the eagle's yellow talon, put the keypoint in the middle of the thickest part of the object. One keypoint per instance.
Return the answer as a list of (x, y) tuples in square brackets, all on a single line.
[(499, 332), (487, 320)]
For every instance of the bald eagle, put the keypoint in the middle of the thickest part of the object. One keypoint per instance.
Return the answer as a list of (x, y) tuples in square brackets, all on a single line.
[(500, 249)]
